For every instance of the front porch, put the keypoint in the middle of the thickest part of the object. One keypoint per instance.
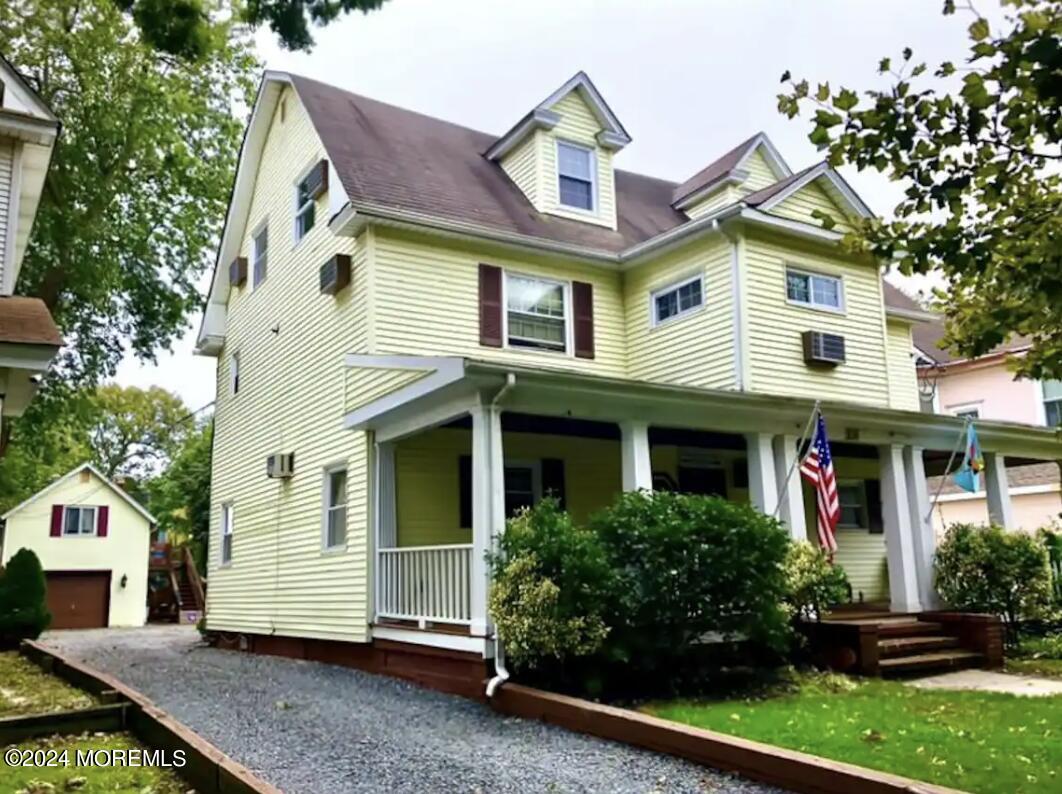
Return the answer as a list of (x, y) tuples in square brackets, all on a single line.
[(455, 457)]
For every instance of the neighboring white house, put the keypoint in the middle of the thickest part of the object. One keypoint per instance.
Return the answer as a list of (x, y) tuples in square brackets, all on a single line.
[(92, 539)]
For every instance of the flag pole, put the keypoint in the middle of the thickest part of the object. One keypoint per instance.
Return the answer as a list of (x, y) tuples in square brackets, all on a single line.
[(785, 486), (947, 469)]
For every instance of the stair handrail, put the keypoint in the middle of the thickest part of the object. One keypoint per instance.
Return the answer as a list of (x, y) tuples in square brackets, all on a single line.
[(194, 579)]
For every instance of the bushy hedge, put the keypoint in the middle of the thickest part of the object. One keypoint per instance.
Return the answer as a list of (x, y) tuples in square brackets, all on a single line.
[(625, 604), (813, 582), (23, 613), (987, 569)]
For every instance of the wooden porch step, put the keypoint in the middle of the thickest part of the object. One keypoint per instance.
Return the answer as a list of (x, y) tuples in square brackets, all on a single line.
[(909, 646), (909, 628), (941, 660)]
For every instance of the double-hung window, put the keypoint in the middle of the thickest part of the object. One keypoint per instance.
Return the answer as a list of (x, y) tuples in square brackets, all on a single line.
[(335, 509), (523, 486), (677, 300), (304, 208), (227, 517), (814, 289), (536, 310), (1053, 402), (852, 497), (261, 256), (79, 520), (575, 174)]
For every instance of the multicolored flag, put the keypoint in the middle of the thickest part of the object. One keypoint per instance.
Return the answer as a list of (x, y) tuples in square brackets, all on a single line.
[(817, 469), (973, 462)]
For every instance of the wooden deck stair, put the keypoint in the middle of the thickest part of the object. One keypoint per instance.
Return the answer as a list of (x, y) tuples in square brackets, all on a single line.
[(910, 645)]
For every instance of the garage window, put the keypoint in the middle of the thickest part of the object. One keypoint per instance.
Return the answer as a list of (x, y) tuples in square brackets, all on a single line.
[(79, 521)]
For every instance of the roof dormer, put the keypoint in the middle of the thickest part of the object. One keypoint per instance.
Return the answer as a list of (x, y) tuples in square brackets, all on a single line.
[(560, 154), (750, 166)]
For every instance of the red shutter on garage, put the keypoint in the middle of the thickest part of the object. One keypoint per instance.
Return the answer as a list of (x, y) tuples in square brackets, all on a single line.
[(490, 305), (101, 521), (583, 312), (57, 521)]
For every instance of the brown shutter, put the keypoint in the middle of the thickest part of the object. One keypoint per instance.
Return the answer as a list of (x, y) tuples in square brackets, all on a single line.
[(874, 513), (57, 521), (490, 305), (102, 520), (583, 312)]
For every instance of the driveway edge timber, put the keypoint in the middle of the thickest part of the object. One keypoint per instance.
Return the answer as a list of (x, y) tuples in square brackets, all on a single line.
[(778, 766), (206, 767)]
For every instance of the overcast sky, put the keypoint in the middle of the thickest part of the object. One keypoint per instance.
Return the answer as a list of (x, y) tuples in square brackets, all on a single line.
[(689, 79)]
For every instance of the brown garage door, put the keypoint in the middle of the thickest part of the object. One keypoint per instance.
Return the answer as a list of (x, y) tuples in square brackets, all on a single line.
[(79, 599)]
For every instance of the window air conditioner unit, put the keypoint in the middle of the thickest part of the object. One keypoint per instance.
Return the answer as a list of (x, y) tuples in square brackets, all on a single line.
[(823, 348), (335, 274), (280, 467)]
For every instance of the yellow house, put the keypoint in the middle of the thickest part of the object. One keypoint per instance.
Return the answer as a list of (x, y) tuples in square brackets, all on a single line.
[(92, 539), (420, 328)]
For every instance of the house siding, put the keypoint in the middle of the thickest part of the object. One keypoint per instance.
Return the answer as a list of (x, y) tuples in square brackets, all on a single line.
[(124, 552), (775, 326), (7, 154), (427, 303), (292, 341), (522, 166), (578, 125), (802, 205), (903, 376), (723, 197), (695, 350), (760, 173)]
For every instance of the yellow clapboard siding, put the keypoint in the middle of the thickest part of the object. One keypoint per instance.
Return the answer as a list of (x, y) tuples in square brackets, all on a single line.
[(760, 173), (426, 302), (7, 152), (365, 384), (697, 349), (522, 166), (577, 125), (903, 376), (775, 326), (279, 578), (802, 205), (722, 197)]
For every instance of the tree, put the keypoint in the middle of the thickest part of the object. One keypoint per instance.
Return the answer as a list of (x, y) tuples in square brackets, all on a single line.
[(979, 151), (139, 180), (23, 610), (180, 497)]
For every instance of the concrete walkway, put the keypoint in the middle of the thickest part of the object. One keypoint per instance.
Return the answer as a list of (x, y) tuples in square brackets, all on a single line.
[(988, 681)]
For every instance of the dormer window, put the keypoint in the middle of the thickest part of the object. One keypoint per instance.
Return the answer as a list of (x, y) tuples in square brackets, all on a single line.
[(575, 174)]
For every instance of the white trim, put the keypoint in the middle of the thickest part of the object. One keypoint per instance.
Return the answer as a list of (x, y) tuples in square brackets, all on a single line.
[(263, 226), (912, 315), (453, 642), (327, 508), (79, 534), (566, 291), (801, 270), (8, 267), (1041, 403), (837, 187), (76, 470), (771, 154), (1020, 490), (443, 372), (537, 119), (591, 154), (729, 179), (959, 408), (799, 228), (22, 90), (582, 83), (654, 318)]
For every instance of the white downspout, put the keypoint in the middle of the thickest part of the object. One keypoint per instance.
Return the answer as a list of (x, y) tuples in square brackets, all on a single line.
[(501, 674)]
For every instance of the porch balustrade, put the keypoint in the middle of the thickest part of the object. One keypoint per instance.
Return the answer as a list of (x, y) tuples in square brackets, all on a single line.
[(428, 584)]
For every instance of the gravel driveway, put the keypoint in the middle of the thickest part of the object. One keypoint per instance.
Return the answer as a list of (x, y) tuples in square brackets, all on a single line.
[(309, 727)]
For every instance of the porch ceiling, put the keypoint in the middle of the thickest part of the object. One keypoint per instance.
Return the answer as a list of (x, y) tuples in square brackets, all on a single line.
[(555, 392)]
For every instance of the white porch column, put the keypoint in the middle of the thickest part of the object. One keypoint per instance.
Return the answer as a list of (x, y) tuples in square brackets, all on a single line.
[(791, 512), (925, 540), (763, 487), (1000, 510), (899, 541), (637, 464), (488, 506)]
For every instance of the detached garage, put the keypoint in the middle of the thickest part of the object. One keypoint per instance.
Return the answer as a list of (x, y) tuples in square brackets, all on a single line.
[(93, 541)]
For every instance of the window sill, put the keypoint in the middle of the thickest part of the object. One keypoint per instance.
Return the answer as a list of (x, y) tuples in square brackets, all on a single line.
[(333, 550)]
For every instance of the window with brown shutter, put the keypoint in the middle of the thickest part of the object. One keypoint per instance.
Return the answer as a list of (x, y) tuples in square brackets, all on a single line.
[(490, 305), (583, 316)]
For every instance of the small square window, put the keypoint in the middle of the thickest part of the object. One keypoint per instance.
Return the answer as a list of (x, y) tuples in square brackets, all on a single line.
[(335, 508), (261, 256), (677, 300), (1053, 403), (814, 289), (575, 173)]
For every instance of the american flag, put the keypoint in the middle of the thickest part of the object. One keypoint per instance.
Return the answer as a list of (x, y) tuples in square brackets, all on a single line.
[(817, 469)]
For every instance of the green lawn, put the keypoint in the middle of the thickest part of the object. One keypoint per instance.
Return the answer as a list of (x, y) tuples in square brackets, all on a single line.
[(980, 742), (1037, 656), (26, 689), (88, 780)]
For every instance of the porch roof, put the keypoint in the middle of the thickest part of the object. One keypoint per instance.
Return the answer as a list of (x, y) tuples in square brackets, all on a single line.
[(451, 386)]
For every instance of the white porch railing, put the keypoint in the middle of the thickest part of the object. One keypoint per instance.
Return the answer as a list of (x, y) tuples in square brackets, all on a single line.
[(428, 584)]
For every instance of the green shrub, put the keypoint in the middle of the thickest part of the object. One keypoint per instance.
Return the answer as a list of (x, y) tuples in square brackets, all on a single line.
[(1051, 537), (813, 583), (551, 581), (23, 613), (986, 569), (687, 568)]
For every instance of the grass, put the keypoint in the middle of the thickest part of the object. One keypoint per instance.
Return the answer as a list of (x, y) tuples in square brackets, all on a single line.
[(91, 779), (1037, 656), (26, 689), (978, 741)]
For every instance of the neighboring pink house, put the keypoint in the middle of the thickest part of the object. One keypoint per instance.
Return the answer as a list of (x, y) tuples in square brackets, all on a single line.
[(985, 388)]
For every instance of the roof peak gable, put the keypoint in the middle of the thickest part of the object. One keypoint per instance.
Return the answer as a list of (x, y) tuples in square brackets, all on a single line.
[(730, 168), (86, 466)]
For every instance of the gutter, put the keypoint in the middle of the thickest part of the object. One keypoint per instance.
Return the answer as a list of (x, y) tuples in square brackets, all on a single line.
[(501, 673)]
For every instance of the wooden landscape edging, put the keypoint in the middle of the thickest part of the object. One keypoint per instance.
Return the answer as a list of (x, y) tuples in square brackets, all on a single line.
[(208, 769), (778, 766), (108, 717)]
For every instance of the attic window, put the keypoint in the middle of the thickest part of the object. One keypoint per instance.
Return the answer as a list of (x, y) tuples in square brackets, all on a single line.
[(575, 174)]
